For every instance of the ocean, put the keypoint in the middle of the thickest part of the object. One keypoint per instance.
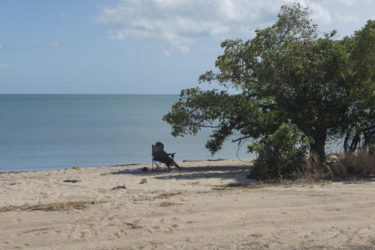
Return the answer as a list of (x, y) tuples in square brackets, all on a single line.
[(43, 132)]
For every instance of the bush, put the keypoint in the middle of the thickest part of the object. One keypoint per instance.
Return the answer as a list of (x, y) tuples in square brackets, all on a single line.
[(281, 155), (361, 165)]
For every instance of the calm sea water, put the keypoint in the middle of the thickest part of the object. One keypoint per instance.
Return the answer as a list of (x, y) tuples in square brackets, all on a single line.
[(40, 132)]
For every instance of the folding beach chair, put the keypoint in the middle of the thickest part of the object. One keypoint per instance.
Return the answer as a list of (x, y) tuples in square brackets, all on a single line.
[(159, 156)]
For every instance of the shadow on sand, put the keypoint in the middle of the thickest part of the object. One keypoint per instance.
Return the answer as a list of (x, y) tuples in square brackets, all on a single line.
[(237, 174)]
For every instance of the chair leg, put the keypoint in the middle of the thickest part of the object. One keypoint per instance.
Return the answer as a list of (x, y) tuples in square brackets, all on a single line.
[(156, 164)]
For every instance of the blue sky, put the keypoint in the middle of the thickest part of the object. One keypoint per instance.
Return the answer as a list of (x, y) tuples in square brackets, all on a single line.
[(136, 46)]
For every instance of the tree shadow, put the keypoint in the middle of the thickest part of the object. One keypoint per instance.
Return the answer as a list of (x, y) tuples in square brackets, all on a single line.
[(237, 174)]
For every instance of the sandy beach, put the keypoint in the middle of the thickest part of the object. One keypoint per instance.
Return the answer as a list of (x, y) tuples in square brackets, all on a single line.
[(206, 205)]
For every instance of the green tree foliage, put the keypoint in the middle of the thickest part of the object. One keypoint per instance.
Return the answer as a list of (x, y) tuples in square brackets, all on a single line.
[(360, 127), (289, 73)]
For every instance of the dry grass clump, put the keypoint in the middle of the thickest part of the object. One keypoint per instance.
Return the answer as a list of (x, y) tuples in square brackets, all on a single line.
[(343, 167), (160, 196), (168, 204), (239, 186), (357, 165), (315, 170), (166, 195), (133, 225), (303, 181), (55, 206), (71, 181)]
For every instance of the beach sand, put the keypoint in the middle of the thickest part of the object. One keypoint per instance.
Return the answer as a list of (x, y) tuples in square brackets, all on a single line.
[(192, 208)]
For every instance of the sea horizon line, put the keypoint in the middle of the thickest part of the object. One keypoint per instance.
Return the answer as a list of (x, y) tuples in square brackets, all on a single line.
[(155, 94)]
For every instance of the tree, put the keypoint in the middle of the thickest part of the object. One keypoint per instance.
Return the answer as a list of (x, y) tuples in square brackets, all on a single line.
[(287, 74), (360, 132)]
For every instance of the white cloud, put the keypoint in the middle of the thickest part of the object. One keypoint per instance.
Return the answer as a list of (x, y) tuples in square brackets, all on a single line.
[(181, 23), (339, 2), (1, 45), (64, 15), (345, 19), (129, 53), (55, 44), (167, 53), (3, 66), (319, 13)]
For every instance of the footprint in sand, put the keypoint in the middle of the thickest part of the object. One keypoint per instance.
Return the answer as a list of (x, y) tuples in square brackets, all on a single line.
[(80, 232)]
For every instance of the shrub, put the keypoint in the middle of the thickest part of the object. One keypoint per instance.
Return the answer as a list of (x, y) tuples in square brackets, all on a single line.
[(361, 164), (281, 155)]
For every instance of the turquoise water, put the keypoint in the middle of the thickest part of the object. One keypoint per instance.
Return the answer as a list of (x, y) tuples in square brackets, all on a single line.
[(40, 132)]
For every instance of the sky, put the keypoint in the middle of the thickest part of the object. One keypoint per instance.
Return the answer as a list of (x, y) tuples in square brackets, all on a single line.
[(137, 46)]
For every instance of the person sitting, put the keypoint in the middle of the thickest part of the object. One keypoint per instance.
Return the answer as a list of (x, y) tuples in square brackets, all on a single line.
[(158, 154)]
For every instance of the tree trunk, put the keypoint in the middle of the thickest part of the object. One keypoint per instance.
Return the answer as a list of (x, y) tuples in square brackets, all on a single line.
[(318, 146)]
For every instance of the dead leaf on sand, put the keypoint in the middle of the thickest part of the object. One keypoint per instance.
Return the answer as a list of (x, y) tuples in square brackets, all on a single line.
[(168, 204), (72, 181)]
